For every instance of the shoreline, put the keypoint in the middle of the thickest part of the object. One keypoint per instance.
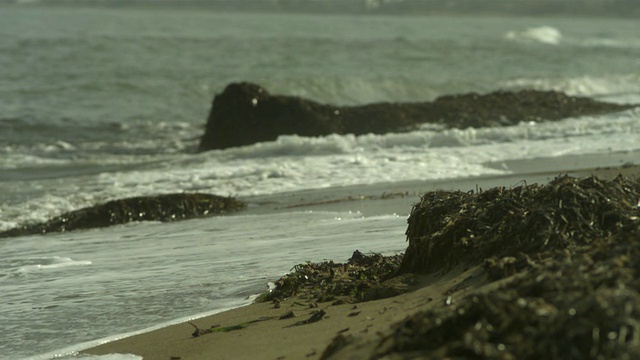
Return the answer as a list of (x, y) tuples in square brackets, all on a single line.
[(264, 335)]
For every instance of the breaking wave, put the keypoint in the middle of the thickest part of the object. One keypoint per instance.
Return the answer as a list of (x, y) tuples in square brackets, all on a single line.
[(541, 34)]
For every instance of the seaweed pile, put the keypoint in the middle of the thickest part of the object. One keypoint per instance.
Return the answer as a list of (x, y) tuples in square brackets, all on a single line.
[(166, 208), (447, 229), (345, 283), (568, 254), (581, 304)]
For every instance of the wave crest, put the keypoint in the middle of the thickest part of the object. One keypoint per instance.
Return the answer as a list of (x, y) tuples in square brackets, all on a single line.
[(542, 34)]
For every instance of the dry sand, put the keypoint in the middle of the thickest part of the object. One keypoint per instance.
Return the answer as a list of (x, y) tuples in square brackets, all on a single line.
[(273, 338)]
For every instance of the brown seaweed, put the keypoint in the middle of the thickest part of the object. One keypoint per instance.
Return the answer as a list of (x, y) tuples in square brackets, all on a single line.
[(569, 256), (580, 305), (329, 281), (166, 208), (316, 316), (217, 328), (447, 229)]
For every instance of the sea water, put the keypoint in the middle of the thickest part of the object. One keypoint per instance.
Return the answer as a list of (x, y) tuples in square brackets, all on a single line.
[(100, 103)]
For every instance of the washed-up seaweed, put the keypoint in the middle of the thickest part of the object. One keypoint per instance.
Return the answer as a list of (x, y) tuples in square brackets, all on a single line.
[(166, 208), (316, 316), (329, 281), (222, 329), (577, 305), (568, 254), (447, 229)]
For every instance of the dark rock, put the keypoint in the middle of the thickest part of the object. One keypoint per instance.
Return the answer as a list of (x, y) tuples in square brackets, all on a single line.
[(246, 113), (170, 207)]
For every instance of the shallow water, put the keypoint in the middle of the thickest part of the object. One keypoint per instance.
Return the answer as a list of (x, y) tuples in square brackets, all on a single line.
[(75, 287)]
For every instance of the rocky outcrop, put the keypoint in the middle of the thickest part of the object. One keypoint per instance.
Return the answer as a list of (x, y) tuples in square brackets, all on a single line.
[(170, 207), (246, 113)]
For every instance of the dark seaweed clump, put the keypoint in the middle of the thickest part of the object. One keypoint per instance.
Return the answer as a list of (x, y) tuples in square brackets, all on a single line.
[(447, 229), (576, 305), (169, 207), (568, 254), (329, 281)]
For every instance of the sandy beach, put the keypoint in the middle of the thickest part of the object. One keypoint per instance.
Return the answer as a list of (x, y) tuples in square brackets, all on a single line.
[(264, 331)]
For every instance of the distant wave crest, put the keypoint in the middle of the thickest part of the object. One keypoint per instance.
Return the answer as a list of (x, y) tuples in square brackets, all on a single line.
[(621, 88), (50, 263), (542, 34)]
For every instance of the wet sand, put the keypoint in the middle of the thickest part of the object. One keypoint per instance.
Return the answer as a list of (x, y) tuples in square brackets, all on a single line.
[(262, 335)]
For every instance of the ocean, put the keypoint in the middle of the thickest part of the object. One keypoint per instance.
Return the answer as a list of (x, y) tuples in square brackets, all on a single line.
[(101, 103)]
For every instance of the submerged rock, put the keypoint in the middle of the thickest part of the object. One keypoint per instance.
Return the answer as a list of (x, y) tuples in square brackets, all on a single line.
[(246, 113), (169, 207)]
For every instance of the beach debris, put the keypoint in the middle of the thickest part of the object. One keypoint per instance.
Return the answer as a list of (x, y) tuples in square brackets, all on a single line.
[(498, 268), (289, 315), (217, 328), (391, 287), (313, 352), (316, 316), (199, 331), (341, 283), (166, 208), (245, 114), (338, 343), (448, 301)]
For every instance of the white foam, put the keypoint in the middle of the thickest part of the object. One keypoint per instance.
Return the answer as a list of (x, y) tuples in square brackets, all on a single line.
[(74, 352), (350, 90), (140, 276), (294, 163), (51, 263), (542, 34), (74, 355), (609, 43)]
